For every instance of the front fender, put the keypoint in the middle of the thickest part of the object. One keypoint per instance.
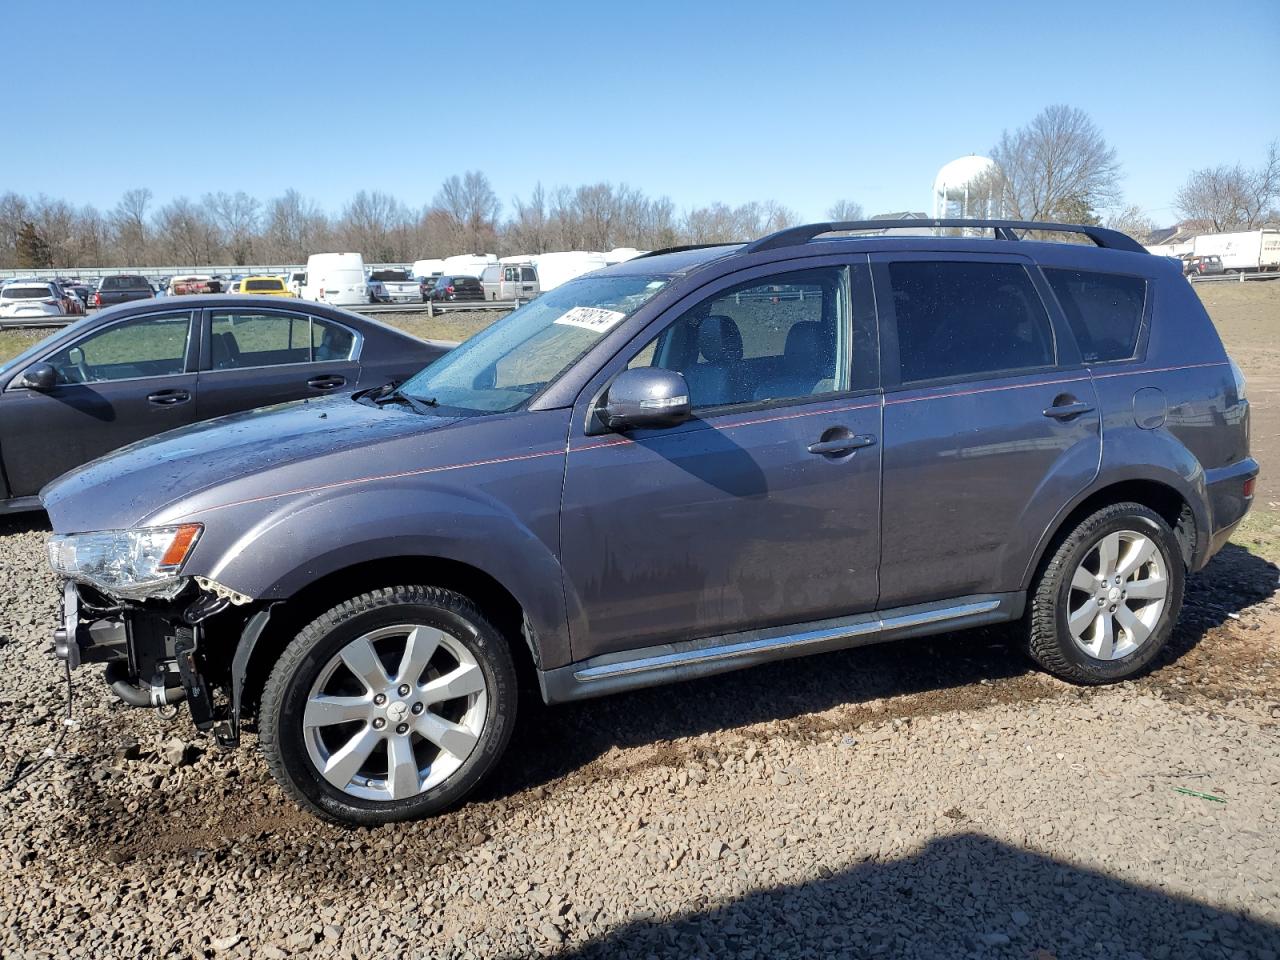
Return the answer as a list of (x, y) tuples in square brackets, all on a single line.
[(300, 542)]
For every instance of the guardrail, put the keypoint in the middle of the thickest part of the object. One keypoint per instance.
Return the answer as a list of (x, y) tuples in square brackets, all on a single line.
[(1235, 277), (431, 309)]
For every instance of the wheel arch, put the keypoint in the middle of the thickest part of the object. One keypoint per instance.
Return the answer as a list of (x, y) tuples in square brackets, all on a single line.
[(289, 617), (1166, 499)]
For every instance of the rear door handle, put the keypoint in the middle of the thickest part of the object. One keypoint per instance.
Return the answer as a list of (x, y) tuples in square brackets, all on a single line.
[(1065, 411), (327, 382), (168, 398), (841, 444)]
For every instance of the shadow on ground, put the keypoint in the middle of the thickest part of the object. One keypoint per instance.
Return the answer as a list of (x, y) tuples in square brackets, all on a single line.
[(962, 896)]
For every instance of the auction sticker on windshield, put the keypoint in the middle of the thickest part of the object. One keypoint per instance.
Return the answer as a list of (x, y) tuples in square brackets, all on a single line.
[(592, 318)]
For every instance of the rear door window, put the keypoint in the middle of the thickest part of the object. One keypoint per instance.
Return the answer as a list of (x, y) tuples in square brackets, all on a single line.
[(253, 339), (1104, 311), (967, 319)]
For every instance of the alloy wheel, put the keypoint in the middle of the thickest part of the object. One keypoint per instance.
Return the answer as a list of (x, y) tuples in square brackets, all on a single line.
[(395, 712), (1117, 595)]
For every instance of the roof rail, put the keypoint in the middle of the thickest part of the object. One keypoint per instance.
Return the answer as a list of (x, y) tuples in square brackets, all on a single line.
[(1004, 230), (687, 246)]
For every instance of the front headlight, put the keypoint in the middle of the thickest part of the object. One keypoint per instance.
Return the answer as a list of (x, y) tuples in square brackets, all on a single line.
[(133, 564)]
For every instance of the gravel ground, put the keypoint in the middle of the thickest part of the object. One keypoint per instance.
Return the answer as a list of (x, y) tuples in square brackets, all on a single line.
[(932, 798), (929, 798)]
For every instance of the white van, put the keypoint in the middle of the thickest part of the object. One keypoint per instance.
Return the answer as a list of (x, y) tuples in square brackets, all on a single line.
[(468, 264), (336, 278), (426, 269), (557, 268), (509, 281)]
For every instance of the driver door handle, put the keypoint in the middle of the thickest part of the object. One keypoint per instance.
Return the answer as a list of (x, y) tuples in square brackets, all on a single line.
[(841, 444), (328, 382), (168, 398), (1066, 411)]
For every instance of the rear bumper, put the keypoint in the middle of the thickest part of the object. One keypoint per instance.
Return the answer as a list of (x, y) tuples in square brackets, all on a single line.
[(1228, 503)]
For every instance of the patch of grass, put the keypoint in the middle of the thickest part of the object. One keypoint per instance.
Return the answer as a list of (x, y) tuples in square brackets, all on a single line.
[(13, 342), (1259, 533)]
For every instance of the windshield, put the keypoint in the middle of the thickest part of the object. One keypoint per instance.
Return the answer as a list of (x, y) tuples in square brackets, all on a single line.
[(504, 366), (264, 285)]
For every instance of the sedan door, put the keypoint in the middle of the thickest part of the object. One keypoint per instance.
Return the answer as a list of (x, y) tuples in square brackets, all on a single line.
[(991, 423), (255, 356), (764, 509), (124, 382)]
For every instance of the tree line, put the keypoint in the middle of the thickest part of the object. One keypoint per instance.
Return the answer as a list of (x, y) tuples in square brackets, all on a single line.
[(1058, 166)]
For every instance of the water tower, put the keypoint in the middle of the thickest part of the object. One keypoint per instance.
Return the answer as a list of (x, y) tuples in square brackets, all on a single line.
[(963, 189)]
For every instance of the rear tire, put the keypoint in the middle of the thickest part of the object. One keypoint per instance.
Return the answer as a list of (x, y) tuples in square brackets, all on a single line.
[(391, 706), (1106, 600)]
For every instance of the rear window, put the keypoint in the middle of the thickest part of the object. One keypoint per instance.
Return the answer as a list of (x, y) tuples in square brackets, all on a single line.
[(1103, 309), (26, 293), (124, 283), (466, 282), (262, 285), (960, 319), (393, 275)]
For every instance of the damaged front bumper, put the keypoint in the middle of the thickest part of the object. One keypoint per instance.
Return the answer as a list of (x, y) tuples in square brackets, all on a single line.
[(156, 652)]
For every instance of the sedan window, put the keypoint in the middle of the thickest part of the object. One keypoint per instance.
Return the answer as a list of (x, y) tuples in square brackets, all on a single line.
[(149, 346), (248, 339)]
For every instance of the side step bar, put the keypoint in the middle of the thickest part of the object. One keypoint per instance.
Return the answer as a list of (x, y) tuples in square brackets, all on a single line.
[(667, 663)]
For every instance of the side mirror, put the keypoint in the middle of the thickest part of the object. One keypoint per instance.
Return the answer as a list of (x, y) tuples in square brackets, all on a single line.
[(646, 397), (39, 376)]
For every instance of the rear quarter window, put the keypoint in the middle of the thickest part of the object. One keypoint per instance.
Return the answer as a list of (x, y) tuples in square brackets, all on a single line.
[(1104, 311)]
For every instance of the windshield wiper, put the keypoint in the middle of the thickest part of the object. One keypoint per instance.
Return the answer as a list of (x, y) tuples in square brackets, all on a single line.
[(416, 404)]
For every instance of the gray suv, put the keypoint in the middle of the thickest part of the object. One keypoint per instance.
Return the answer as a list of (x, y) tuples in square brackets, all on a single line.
[(695, 461)]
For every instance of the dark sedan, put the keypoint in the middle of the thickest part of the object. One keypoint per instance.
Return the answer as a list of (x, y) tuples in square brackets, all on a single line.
[(450, 289), (136, 370)]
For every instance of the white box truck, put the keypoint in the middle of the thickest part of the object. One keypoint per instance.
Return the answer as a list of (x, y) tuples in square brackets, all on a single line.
[(557, 268), (1246, 252), (336, 278), (468, 264)]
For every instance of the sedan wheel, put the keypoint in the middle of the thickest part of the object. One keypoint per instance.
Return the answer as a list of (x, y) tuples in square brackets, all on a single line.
[(390, 706)]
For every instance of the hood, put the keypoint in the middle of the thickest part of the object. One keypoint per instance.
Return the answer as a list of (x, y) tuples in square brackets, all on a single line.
[(276, 443)]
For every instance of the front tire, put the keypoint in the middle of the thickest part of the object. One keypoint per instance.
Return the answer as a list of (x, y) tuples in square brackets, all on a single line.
[(1105, 603), (390, 706)]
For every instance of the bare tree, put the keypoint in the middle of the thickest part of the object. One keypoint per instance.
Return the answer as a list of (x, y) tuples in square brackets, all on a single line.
[(236, 216), (1225, 198), (1058, 166), (470, 203), (373, 223), (129, 221), (845, 210), (1133, 221), (185, 233), (293, 228)]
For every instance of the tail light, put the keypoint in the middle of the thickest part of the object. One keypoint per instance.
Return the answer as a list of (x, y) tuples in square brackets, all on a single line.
[(448, 289), (97, 299)]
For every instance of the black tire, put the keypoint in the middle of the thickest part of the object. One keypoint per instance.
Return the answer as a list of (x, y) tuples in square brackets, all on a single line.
[(285, 695), (1049, 640)]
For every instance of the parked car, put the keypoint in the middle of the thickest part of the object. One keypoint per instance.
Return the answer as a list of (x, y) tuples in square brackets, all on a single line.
[(690, 462), (1206, 266), (264, 286), (425, 286), (297, 280), (81, 290), (72, 305), (121, 288), (133, 371), (336, 278), (393, 286), (507, 281), (449, 289), (31, 299)]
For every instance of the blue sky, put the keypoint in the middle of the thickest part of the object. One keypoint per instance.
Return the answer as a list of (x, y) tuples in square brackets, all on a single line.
[(804, 103)]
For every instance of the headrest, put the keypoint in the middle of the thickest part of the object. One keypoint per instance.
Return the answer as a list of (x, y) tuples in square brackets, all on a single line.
[(719, 339)]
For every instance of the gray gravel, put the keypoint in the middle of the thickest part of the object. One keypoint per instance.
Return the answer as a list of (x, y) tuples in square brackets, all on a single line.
[(928, 799)]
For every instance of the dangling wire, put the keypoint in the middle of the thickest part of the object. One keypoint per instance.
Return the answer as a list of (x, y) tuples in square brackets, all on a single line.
[(24, 768)]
